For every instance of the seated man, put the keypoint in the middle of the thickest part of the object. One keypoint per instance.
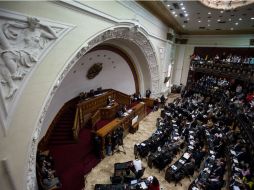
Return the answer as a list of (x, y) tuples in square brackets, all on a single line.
[(138, 168), (110, 101), (129, 176)]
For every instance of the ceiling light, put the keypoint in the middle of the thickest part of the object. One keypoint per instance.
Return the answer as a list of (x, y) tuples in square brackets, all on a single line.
[(186, 15), (208, 20), (221, 12), (199, 21), (181, 4), (175, 15), (209, 13), (168, 5), (208, 25), (240, 18), (229, 19), (231, 28), (218, 20), (236, 23), (183, 8), (183, 26), (184, 11), (252, 18), (174, 12), (188, 18)]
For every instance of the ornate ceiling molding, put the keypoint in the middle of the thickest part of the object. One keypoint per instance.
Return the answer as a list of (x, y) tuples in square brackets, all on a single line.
[(226, 5), (132, 34)]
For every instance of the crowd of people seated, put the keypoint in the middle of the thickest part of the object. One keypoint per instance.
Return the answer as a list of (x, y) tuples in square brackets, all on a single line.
[(223, 58), (202, 111), (239, 98), (45, 171)]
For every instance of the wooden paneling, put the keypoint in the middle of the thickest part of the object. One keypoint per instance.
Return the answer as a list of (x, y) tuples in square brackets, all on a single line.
[(125, 122)]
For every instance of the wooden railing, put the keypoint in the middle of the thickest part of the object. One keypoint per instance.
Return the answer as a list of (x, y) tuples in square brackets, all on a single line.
[(77, 124), (86, 110), (44, 141)]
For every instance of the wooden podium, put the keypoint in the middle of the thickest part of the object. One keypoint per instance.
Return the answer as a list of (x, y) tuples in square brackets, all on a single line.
[(109, 112)]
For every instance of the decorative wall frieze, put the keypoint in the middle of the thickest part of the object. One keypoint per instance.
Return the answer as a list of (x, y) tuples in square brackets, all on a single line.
[(24, 42), (131, 34)]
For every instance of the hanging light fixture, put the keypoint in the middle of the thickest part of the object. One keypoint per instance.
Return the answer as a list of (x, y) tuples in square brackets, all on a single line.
[(225, 4)]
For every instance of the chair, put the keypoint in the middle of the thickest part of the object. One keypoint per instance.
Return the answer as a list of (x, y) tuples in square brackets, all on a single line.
[(177, 177), (140, 173), (189, 170), (116, 179)]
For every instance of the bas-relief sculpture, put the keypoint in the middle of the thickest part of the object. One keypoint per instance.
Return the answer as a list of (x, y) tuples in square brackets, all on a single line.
[(21, 43), (24, 41)]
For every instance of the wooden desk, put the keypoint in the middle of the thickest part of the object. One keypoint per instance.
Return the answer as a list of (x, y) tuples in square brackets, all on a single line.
[(109, 112), (149, 102), (125, 122)]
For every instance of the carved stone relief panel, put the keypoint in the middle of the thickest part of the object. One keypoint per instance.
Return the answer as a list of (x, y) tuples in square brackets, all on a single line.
[(131, 34), (24, 41)]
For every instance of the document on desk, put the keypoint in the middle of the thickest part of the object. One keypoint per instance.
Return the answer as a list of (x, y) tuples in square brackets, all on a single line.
[(235, 161), (182, 161), (143, 185), (238, 169), (174, 167), (186, 155), (134, 181), (207, 170), (191, 147), (233, 152)]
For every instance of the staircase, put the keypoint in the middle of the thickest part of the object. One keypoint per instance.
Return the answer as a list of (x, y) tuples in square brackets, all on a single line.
[(62, 132)]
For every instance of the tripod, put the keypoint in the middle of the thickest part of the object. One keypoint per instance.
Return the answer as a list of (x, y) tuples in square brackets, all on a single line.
[(117, 148)]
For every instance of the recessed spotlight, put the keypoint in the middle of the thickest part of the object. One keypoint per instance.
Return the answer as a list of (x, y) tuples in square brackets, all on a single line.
[(221, 12), (168, 5), (240, 18), (184, 11), (199, 21), (218, 20), (183, 8), (186, 15), (236, 23), (175, 15), (231, 28), (181, 4), (229, 19), (252, 18), (174, 12), (209, 13)]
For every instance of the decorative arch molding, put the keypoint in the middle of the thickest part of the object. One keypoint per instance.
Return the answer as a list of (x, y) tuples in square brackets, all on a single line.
[(132, 34)]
